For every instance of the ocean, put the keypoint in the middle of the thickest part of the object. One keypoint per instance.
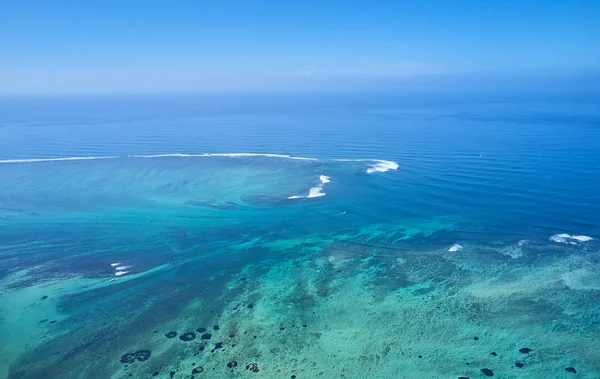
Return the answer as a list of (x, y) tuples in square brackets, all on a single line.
[(300, 236)]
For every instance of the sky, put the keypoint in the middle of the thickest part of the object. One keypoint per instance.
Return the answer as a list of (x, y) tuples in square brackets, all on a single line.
[(64, 47)]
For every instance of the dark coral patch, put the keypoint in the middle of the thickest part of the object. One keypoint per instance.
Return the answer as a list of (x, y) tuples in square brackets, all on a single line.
[(493, 353), (206, 336), (476, 338), (155, 373), (252, 367), (519, 365), (128, 358), (525, 350), (171, 334), (232, 364), (216, 327), (201, 330), (462, 377), (44, 297), (571, 369), (189, 336), (487, 372), (142, 355), (250, 306), (197, 370)]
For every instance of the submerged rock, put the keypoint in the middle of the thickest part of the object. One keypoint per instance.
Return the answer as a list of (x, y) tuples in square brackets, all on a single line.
[(142, 355), (197, 370), (525, 350), (171, 334), (519, 365), (252, 367), (487, 372), (189, 336), (250, 306), (206, 336), (201, 330), (128, 358), (216, 327), (232, 364), (493, 353), (571, 369)]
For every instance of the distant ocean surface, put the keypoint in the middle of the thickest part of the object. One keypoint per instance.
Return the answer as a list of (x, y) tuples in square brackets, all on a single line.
[(302, 236)]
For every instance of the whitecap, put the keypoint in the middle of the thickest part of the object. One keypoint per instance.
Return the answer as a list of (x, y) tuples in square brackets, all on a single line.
[(455, 247), (115, 264), (582, 238), (316, 191), (523, 242), (382, 166), (564, 238), (122, 268), (379, 165), (119, 273)]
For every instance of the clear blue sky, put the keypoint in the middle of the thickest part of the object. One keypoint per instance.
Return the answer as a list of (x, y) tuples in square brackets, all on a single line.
[(239, 46)]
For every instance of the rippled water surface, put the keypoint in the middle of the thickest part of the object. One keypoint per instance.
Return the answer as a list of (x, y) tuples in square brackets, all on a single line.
[(300, 236)]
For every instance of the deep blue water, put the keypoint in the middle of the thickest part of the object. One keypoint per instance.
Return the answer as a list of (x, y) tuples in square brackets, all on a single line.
[(500, 176)]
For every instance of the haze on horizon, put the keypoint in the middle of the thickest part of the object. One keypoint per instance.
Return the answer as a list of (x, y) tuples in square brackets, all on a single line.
[(110, 47)]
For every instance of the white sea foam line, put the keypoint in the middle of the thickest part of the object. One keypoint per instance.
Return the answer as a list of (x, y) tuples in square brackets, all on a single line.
[(230, 155), (120, 268), (115, 264), (35, 160), (119, 273), (379, 164)]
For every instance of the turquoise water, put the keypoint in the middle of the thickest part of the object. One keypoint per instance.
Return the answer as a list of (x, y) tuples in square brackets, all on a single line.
[(327, 237)]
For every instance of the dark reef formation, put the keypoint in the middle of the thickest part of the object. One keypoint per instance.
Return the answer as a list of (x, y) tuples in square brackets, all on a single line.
[(140, 355), (189, 336)]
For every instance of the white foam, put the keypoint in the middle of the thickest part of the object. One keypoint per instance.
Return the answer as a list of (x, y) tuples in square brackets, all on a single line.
[(316, 191), (382, 166), (582, 238), (115, 264), (564, 238), (379, 165), (455, 247), (230, 155), (35, 160), (119, 273), (523, 242), (122, 268)]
